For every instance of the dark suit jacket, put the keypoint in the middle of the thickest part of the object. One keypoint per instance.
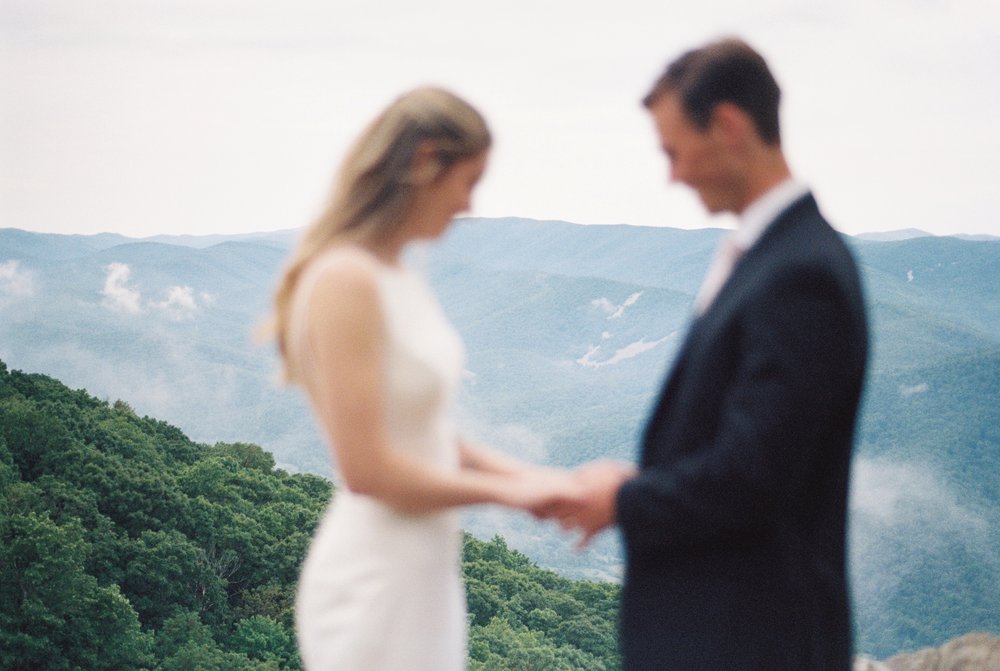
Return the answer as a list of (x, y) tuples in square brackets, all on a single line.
[(734, 529)]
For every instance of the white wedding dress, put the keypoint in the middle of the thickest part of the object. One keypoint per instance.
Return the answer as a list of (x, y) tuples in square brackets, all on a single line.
[(380, 590)]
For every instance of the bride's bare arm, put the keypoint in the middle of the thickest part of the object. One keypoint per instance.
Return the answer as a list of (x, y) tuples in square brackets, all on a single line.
[(477, 457), (348, 337)]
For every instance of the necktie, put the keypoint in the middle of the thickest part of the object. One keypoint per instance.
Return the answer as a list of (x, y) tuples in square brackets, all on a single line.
[(727, 254)]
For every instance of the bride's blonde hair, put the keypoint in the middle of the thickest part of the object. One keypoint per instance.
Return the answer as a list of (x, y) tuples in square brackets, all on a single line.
[(376, 182)]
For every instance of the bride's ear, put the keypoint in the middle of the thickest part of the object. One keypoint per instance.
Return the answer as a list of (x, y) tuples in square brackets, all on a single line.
[(426, 165)]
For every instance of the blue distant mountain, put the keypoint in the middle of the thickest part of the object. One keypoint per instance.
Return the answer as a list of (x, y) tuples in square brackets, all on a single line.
[(910, 233), (892, 236), (569, 330)]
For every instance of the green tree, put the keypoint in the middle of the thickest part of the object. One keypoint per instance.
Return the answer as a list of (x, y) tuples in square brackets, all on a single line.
[(262, 638), (247, 455), (166, 574), (200, 657), (53, 615), (180, 630), (32, 436), (274, 600), (8, 471)]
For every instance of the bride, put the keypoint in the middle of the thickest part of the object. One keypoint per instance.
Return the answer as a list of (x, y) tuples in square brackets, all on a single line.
[(364, 336)]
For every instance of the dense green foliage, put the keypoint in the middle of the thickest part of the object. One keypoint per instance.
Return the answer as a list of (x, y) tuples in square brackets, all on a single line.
[(124, 545), (530, 619)]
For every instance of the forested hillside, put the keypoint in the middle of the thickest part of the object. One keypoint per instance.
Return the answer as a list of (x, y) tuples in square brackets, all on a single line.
[(125, 545)]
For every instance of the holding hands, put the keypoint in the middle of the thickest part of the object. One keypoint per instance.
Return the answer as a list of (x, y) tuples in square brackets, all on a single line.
[(582, 500), (540, 490)]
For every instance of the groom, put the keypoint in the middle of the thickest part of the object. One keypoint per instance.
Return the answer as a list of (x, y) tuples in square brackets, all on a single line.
[(734, 523)]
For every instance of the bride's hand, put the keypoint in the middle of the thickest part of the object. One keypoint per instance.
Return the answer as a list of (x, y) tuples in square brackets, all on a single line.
[(544, 492)]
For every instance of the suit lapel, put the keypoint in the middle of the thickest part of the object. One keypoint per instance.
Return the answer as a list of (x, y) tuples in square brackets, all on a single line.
[(741, 274), (743, 270)]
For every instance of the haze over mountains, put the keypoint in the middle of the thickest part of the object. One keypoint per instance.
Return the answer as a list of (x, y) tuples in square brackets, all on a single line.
[(569, 330)]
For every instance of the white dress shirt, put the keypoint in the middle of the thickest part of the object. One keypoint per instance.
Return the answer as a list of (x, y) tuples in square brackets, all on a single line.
[(761, 213)]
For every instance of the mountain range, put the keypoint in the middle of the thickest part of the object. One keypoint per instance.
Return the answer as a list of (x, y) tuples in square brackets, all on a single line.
[(569, 330)]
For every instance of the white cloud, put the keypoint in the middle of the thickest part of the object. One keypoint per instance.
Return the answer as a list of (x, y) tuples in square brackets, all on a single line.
[(901, 511), (911, 389), (615, 311), (14, 281), (587, 359), (121, 296), (904, 514), (894, 493), (118, 296), (604, 305), (151, 385), (628, 352), (179, 304)]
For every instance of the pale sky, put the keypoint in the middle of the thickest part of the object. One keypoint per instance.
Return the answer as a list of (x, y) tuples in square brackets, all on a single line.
[(143, 117)]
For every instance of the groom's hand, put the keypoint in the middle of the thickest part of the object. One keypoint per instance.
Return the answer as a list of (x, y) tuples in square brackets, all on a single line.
[(552, 492), (601, 481)]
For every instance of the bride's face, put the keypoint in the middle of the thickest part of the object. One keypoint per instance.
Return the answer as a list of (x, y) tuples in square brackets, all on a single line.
[(439, 202)]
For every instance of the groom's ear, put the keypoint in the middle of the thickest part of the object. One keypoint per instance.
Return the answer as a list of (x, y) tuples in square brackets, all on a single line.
[(426, 166), (732, 125)]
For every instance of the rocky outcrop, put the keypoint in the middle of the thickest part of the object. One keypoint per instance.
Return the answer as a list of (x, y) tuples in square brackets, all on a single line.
[(972, 652), (866, 664)]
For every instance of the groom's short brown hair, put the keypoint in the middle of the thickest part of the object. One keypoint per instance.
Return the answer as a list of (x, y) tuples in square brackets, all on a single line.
[(725, 71)]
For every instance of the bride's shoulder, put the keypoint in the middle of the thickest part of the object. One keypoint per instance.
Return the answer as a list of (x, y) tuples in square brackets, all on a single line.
[(340, 283), (344, 267), (345, 259)]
